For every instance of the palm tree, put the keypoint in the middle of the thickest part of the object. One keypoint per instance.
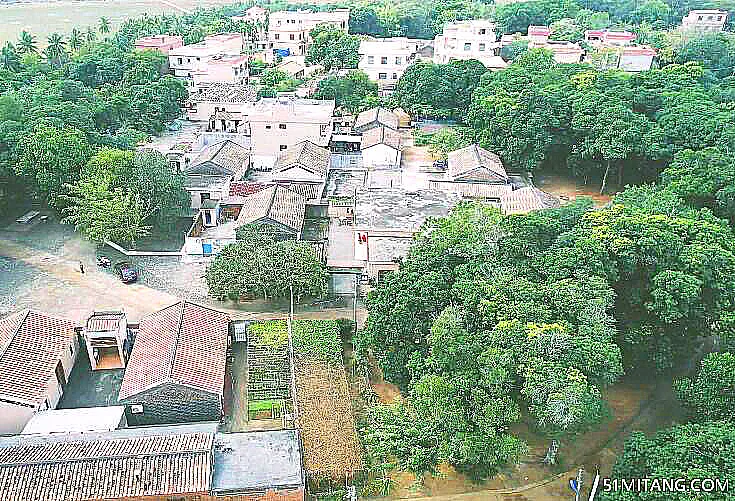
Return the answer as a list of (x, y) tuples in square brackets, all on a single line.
[(27, 43), (90, 34), (104, 25), (9, 59), (75, 40), (56, 50)]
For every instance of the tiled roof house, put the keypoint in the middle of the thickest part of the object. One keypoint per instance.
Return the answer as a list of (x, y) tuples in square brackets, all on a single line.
[(225, 158), (376, 117), (304, 162), (525, 200), (176, 371), (475, 164), (277, 206), (37, 354)]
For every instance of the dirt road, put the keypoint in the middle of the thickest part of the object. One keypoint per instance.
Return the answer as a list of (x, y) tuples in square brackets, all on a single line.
[(71, 294)]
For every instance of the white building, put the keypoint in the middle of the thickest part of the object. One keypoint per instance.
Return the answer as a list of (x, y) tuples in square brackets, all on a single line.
[(563, 51), (104, 335), (255, 14), (79, 420), (186, 60), (381, 148), (386, 59), (288, 31), (276, 124), (473, 39), (37, 354), (639, 58), (227, 100), (705, 21), (221, 68)]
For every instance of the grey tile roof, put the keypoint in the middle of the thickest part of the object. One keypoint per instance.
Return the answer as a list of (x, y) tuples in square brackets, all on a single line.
[(221, 92), (305, 155), (276, 203), (107, 465), (473, 163), (376, 117), (245, 462), (224, 158), (380, 135), (31, 345), (185, 344), (472, 190), (525, 200)]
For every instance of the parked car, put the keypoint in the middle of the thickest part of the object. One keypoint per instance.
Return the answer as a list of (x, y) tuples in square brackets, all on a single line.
[(440, 164), (126, 272)]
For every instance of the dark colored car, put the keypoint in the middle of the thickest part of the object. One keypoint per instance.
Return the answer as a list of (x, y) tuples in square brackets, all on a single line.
[(126, 272)]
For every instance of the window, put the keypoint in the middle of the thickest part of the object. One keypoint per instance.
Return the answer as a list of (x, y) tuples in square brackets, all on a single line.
[(71, 350), (181, 60), (382, 76), (383, 60), (467, 47), (398, 61), (281, 126), (395, 76), (267, 126), (292, 37), (482, 31), (278, 36), (482, 47), (371, 59), (282, 147)]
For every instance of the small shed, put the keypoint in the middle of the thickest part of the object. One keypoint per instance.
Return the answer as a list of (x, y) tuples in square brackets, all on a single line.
[(404, 119), (381, 148), (104, 335), (528, 199), (304, 162), (176, 372)]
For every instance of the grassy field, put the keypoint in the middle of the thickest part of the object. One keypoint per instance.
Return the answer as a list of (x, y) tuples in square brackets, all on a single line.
[(44, 18)]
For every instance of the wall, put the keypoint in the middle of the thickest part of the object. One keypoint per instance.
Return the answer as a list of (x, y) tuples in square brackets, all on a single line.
[(283, 495), (266, 142), (172, 403), (68, 358), (14, 418), (380, 155)]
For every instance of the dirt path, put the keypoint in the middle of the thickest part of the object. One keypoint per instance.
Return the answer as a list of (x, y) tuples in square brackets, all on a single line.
[(74, 295)]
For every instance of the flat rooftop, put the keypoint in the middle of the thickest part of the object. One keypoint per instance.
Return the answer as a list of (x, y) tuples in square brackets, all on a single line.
[(344, 183), (245, 462), (79, 420), (401, 210)]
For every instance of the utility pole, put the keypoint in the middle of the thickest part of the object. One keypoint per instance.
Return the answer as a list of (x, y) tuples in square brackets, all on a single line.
[(580, 478)]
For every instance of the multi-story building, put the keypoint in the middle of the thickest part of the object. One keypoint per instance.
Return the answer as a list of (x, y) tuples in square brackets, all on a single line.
[(255, 14), (288, 31), (385, 59), (161, 43), (473, 39), (276, 124), (221, 68), (704, 21), (186, 60)]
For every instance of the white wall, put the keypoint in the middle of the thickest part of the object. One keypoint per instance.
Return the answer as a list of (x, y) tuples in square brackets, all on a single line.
[(13, 418), (380, 155)]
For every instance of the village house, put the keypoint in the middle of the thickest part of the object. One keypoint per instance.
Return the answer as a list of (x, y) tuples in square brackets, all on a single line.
[(37, 354), (255, 14), (381, 148), (704, 21), (637, 58), (186, 60), (373, 118), (79, 420), (527, 199), (473, 39), (386, 59), (157, 463), (105, 336), (176, 371), (295, 66), (564, 52), (289, 31), (304, 163), (221, 68), (474, 172), (209, 175), (223, 110), (276, 124), (276, 206), (608, 38), (162, 43)]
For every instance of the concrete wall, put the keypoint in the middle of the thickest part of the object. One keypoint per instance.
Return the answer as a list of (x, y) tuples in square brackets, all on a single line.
[(171, 404), (380, 155), (267, 137), (14, 418)]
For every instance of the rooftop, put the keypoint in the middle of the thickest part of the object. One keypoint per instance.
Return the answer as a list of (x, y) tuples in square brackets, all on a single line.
[(104, 321), (378, 116), (79, 420), (401, 210), (525, 200), (305, 155), (291, 110), (222, 92), (246, 462), (277, 203), (31, 345), (224, 158), (475, 163), (380, 135), (185, 344)]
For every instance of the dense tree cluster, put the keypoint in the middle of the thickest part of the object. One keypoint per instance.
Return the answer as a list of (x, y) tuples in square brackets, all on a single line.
[(333, 49), (352, 93)]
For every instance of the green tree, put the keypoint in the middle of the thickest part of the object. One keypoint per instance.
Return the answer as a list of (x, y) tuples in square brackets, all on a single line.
[(354, 92), (27, 43), (55, 51), (9, 59), (104, 25), (710, 396), (514, 49), (52, 158), (75, 40), (332, 48)]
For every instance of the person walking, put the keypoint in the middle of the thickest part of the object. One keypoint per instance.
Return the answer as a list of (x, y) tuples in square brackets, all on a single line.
[(81, 267)]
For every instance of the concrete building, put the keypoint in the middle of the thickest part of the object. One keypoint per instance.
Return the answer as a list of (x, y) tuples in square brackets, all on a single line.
[(386, 59), (176, 372), (563, 51), (230, 101), (162, 43), (105, 337), (37, 354), (80, 420), (255, 14), (186, 60), (209, 175), (473, 39), (276, 124), (381, 148), (705, 21), (288, 31), (221, 68), (609, 38), (634, 59), (156, 463)]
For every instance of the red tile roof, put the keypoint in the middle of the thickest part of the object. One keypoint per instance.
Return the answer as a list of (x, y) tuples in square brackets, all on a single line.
[(244, 188), (185, 344), (31, 345)]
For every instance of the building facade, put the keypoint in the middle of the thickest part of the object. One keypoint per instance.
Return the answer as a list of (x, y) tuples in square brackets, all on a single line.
[(705, 21), (288, 31), (473, 39), (386, 59), (162, 43), (186, 60)]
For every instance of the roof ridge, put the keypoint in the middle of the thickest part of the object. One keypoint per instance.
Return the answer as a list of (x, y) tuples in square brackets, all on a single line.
[(15, 331), (176, 344)]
